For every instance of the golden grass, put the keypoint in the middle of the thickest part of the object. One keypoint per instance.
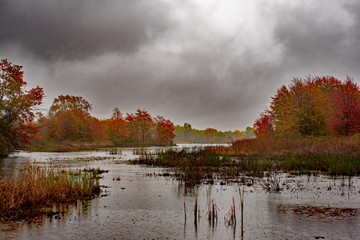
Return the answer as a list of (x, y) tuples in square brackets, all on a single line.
[(273, 147), (26, 194)]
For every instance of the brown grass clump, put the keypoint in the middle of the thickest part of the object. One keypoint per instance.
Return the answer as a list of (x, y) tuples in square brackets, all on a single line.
[(26, 194)]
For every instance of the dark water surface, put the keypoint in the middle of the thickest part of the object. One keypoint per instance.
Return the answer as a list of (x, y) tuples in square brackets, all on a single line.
[(143, 205)]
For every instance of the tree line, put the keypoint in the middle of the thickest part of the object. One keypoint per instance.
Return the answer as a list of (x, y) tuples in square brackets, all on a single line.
[(312, 106), (69, 119), (186, 133)]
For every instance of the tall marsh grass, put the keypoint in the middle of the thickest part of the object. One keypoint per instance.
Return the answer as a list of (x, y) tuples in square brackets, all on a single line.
[(26, 194), (331, 155), (275, 147)]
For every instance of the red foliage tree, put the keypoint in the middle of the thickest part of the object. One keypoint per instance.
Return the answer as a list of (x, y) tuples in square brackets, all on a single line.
[(16, 107), (164, 131), (263, 126), (345, 118)]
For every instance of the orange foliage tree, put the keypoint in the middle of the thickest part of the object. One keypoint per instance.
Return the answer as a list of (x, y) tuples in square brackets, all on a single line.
[(70, 120), (115, 128), (314, 106)]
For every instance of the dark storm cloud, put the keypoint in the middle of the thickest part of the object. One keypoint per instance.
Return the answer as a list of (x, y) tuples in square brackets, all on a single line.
[(174, 58), (80, 28)]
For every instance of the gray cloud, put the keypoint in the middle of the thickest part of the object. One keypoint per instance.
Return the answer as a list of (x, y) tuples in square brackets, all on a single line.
[(179, 59), (81, 28), (318, 39)]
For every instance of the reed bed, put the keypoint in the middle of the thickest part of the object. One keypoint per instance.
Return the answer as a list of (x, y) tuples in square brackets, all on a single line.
[(27, 194), (330, 155), (276, 147)]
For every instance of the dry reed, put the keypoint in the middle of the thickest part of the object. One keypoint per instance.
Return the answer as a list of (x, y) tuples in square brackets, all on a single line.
[(275, 147), (31, 190), (230, 217)]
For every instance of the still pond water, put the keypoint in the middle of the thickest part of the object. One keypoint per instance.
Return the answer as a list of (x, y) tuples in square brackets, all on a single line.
[(138, 203)]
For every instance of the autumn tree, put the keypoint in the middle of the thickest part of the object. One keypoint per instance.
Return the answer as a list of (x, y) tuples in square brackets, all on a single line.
[(164, 131), (70, 120), (115, 128), (76, 104), (17, 107), (263, 126), (302, 108), (210, 134), (67, 126), (345, 118), (140, 125), (314, 106), (93, 129)]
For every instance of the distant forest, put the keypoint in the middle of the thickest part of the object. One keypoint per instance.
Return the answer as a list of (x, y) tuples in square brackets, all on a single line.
[(210, 135)]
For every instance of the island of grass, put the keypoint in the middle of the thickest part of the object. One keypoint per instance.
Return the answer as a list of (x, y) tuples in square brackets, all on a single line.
[(36, 189), (332, 155)]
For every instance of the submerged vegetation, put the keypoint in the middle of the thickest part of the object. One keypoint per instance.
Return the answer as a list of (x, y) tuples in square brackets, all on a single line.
[(36, 188)]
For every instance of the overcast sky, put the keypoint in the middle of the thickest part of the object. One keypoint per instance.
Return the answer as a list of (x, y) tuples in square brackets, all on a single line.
[(211, 63)]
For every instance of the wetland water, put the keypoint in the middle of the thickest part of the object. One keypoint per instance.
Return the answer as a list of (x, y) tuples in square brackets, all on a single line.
[(137, 203)]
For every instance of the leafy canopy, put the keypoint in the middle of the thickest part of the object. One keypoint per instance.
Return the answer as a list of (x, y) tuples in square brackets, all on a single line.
[(17, 107)]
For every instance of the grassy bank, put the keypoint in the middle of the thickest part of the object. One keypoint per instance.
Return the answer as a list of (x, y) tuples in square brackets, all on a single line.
[(277, 147), (27, 194), (333, 156), (330, 155)]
